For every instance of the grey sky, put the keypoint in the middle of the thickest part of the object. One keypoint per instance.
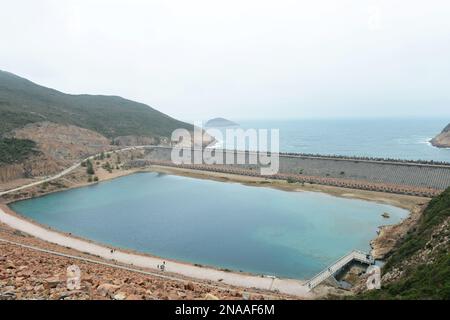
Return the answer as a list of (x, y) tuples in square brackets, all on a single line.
[(239, 59)]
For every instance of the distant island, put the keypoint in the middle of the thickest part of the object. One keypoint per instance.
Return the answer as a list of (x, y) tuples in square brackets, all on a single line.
[(442, 140), (220, 122)]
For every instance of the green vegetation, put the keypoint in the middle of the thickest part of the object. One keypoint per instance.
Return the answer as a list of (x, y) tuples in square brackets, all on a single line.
[(15, 150), (23, 102), (107, 166), (89, 167), (429, 280), (92, 179), (291, 180)]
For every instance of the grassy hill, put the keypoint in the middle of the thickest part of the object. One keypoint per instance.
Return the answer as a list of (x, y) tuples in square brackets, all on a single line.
[(23, 102), (421, 263)]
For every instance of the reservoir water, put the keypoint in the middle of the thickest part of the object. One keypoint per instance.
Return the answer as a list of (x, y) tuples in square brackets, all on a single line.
[(226, 225)]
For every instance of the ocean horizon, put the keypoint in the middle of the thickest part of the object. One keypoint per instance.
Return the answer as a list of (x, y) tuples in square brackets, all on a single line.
[(394, 138)]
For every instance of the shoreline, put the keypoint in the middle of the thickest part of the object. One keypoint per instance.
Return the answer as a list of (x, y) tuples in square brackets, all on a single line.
[(130, 257), (293, 287), (398, 200)]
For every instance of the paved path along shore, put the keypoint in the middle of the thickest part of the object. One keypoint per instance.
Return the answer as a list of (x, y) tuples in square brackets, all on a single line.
[(287, 286)]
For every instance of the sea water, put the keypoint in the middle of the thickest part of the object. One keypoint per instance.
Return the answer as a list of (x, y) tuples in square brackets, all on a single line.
[(405, 138)]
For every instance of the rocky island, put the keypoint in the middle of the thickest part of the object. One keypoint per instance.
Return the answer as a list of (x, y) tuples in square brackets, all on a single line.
[(220, 122), (442, 140)]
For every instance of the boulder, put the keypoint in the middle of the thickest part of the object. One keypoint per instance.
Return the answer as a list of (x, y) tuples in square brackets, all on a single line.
[(189, 286), (120, 296), (245, 296), (107, 289), (210, 296), (52, 282)]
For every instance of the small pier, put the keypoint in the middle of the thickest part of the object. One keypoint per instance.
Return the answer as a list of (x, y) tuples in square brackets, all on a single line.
[(337, 266)]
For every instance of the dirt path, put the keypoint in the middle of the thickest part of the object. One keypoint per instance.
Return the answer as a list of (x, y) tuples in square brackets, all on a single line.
[(64, 172)]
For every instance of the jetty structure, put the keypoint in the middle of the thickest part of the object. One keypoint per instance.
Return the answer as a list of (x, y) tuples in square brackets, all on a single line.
[(336, 267)]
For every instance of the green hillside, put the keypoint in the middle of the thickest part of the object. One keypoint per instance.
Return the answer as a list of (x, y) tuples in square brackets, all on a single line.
[(23, 102), (429, 277)]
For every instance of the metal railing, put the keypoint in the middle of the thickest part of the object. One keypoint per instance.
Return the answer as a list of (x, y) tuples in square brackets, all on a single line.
[(338, 265)]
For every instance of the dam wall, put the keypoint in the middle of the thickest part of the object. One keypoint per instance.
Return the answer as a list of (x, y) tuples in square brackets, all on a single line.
[(303, 168)]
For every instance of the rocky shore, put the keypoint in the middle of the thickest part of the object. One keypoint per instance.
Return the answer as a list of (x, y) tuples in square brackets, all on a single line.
[(442, 140)]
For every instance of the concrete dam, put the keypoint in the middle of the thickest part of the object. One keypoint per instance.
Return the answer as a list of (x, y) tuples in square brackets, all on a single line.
[(405, 177)]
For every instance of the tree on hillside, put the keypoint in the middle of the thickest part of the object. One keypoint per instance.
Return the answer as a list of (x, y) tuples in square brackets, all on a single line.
[(89, 167)]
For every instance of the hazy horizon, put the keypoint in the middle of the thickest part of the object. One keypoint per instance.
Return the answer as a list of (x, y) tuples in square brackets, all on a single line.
[(239, 60)]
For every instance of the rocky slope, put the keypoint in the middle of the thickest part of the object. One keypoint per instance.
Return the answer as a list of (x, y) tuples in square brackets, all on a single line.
[(63, 142), (31, 274), (442, 140), (58, 146), (419, 266)]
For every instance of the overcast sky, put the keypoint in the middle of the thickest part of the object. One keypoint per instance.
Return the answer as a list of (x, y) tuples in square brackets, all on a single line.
[(239, 59)]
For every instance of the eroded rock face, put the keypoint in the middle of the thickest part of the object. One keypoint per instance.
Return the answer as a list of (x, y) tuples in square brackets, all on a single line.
[(442, 140), (63, 142), (59, 147), (38, 165), (136, 141)]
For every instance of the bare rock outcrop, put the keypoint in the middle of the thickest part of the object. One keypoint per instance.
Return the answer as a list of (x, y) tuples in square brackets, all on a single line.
[(442, 140), (36, 166), (136, 141), (59, 146), (63, 142)]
